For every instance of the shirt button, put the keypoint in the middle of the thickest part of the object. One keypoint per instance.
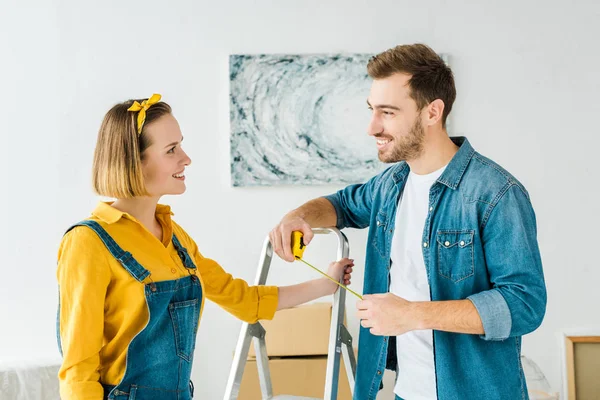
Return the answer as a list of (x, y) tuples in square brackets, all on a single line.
[(430, 208), (462, 243), (425, 244), (446, 243), (378, 223), (173, 270), (378, 372)]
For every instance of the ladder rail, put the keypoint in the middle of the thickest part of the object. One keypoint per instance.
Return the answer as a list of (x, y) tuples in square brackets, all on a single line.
[(249, 332), (337, 318)]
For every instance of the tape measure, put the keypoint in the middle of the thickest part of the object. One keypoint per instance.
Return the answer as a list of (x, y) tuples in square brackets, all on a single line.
[(298, 247)]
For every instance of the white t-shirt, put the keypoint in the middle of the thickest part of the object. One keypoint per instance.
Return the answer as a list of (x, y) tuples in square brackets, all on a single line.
[(416, 369)]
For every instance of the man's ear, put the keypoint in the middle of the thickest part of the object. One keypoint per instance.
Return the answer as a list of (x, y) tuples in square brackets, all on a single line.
[(435, 112)]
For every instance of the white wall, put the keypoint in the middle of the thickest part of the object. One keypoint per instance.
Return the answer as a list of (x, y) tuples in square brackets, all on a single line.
[(527, 76)]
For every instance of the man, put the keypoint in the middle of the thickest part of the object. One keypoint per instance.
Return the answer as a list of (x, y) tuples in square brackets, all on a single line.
[(453, 275)]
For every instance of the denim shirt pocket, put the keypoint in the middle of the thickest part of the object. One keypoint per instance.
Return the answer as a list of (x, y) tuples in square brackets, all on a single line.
[(379, 236), (455, 254)]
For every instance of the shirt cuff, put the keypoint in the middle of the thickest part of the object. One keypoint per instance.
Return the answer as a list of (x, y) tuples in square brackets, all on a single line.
[(268, 299), (494, 313)]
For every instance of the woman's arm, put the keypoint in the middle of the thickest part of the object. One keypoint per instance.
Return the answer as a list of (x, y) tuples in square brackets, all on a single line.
[(291, 296), (83, 277)]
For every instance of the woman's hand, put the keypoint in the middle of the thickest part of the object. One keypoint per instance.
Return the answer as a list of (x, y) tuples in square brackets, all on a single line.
[(338, 269)]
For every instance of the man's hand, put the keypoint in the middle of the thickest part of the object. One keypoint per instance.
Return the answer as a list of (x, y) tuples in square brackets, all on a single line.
[(315, 213), (387, 314), (281, 235)]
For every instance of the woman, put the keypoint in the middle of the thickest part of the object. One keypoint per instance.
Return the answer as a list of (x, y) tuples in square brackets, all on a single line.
[(132, 282)]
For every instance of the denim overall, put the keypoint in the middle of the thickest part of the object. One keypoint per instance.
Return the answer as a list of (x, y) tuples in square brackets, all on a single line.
[(159, 358)]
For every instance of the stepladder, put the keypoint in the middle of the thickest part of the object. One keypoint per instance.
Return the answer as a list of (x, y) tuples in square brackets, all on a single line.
[(340, 340)]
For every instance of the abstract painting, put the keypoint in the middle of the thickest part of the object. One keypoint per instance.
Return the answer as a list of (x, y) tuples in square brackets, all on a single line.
[(300, 120)]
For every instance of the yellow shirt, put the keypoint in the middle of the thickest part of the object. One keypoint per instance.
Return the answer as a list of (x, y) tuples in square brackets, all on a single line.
[(102, 307)]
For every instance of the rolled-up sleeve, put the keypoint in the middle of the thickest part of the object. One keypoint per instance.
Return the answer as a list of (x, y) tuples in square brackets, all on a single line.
[(516, 304), (353, 204), (494, 313)]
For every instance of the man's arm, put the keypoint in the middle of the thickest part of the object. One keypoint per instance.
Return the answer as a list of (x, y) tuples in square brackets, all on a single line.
[(516, 303), (349, 207), (458, 316), (390, 315), (313, 214), (514, 306)]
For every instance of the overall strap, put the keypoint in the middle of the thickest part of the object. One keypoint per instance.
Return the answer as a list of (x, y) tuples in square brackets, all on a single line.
[(124, 257), (183, 254)]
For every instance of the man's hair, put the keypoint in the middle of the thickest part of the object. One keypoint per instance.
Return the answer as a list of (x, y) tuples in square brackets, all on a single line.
[(431, 78)]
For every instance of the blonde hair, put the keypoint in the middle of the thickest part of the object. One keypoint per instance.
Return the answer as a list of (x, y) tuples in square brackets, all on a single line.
[(117, 167)]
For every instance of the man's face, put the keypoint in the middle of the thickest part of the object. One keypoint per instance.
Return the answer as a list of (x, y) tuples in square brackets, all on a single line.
[(396, 121)]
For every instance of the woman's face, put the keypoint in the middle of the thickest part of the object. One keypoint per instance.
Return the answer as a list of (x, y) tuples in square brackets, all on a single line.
[(164, 162)]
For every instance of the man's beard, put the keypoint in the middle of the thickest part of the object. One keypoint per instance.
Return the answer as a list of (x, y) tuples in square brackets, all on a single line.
[(407, 147)]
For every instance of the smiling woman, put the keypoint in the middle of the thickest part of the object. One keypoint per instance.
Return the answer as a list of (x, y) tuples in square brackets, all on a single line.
[(117, 168), (132, 282)]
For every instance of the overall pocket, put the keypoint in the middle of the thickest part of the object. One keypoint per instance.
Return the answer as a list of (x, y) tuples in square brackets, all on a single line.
[(184, 316), (455, 254)]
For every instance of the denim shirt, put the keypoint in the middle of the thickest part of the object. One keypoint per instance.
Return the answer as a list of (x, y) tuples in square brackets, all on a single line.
[(479, 243)]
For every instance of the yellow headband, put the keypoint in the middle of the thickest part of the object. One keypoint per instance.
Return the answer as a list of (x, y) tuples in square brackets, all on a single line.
[(142, 109)]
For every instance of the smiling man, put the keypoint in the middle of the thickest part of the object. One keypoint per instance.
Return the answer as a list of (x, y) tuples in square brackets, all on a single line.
[(453, 273)]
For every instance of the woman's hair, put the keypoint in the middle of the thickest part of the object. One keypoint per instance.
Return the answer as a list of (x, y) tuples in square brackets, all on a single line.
[(117, 167)]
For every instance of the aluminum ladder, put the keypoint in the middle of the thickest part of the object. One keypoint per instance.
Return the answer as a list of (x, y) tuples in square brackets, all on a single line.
[(340, 340)]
